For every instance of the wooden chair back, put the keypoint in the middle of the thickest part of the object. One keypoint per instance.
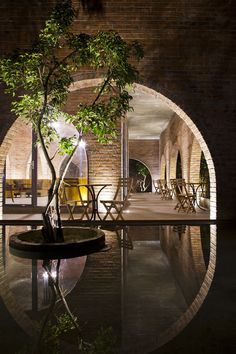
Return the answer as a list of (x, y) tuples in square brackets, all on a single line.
[(185, 199), (71, 196), (165, 191), (120, 199), (123, 189)]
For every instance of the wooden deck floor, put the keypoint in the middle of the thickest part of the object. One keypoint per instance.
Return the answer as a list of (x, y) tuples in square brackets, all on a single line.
[(150, 206), (143, 206)]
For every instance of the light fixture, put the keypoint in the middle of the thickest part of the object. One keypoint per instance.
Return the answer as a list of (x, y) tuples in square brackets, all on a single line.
[(82, 144)]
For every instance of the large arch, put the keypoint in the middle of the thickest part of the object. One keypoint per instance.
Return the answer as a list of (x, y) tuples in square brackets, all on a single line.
[(81, 84), (203, 280)]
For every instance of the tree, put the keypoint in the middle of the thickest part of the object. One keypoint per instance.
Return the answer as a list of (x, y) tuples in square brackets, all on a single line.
[(143, 172), (39, 79)]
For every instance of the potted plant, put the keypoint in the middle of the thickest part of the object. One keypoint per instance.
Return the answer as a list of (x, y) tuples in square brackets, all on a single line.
[(39, 78)]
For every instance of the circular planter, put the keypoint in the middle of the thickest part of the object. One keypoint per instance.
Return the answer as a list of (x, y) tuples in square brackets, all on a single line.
[(78, 241)]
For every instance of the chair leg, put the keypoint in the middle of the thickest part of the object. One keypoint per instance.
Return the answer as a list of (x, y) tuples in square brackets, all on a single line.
[(108, 208), (191, 206), (85, 212), (119, 213), (70, 209)]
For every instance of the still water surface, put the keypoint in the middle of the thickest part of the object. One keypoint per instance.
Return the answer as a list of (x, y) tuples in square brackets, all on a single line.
[(132, 298)]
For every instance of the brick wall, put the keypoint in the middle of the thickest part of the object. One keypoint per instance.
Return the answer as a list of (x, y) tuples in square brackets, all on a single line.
[(104, 160), (147, 152), (189, 58), (177, 137)]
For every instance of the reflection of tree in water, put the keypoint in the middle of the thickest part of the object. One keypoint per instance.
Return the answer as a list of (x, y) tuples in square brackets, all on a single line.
[(60, 329)]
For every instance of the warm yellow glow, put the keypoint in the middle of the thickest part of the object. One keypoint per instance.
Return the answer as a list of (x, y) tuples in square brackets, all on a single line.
[(83, 190), (75, 193)]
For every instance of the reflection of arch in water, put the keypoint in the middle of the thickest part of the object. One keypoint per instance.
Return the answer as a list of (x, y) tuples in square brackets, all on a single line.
[(8, 298), (195, 306), (183, 259), (70, 273)]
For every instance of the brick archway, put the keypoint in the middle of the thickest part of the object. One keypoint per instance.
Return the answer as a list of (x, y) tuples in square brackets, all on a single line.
[(77, 85), (205, 281), (198, 136)]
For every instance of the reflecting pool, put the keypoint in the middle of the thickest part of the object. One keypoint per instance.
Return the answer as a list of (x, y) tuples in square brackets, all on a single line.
[(136, 297)]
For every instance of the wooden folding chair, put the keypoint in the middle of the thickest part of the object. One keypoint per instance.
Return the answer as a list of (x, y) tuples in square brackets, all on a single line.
[(71, 197), (185, 199), (120, 200), (165, 191), (156, 186)]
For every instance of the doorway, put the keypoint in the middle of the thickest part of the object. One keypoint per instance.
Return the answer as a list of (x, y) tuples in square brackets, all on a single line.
[(142, 181)]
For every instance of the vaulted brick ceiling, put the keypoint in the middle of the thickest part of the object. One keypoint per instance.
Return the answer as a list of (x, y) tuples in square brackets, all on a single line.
[(149, 117)]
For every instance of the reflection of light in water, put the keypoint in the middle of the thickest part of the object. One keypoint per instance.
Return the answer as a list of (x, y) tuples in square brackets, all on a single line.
[(46, 287), (46, 290), (45, 275), (54, 274), (21, 281)]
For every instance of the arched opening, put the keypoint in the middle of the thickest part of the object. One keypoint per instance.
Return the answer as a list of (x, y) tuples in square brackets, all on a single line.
[(98, 161), (185, 154), (185, 135), (142, 181), (179, 166)]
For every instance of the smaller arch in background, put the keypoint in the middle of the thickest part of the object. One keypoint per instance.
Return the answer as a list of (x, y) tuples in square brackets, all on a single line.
[(179, 173), (141, 182)]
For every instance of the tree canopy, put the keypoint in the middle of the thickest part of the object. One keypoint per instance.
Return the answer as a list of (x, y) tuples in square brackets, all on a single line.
[(39, 79)]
